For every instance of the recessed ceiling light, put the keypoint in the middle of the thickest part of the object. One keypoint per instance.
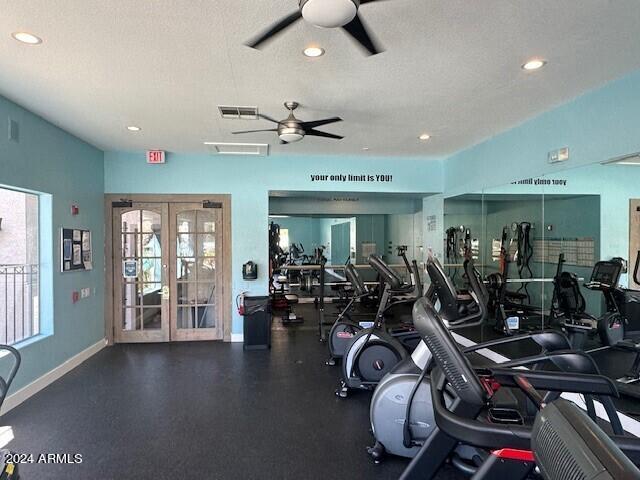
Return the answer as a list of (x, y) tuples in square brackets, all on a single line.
[(28, 38), (424, 136), (534, 64), (313, 52), (133, 128), (366, 149)]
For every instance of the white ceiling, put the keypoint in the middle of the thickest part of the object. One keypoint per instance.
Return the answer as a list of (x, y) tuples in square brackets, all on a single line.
[(451, 68)]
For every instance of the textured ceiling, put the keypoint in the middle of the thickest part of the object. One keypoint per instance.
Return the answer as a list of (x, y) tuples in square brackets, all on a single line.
[(451, 68)]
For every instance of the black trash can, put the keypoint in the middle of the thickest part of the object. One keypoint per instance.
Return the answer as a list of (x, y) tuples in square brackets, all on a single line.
[(257, 323)]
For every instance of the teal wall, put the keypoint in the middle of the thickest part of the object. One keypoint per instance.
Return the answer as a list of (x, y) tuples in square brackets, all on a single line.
[(370, 229), (66, 171), (599, 125), (305, 230), (249, 180), (404, 229)]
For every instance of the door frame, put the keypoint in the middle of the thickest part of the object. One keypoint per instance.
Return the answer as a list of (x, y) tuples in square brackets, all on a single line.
[(224, 199)]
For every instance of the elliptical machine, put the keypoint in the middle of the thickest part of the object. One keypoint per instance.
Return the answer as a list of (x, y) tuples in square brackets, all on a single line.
[(373, 351)]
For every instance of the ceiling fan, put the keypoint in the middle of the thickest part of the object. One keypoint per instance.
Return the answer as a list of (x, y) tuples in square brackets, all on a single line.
[(326, 14), (292, 130)]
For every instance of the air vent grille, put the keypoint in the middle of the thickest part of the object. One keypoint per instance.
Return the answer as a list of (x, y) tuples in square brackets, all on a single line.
[(255, 149), (238, 113)]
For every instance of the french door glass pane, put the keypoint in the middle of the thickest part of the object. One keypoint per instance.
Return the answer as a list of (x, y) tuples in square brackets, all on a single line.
[(131, 221), (207, 314), (130, 295), (130, 245), (186, 270), (151, 294), (207, 270), (206, 221), (151, 245), (150, 222), (186, 221), (206, 293), (152, 270), (186, 317), (131, 319), (206, 245), (186, 245), (194, 317), (152, 317), (187, 293)]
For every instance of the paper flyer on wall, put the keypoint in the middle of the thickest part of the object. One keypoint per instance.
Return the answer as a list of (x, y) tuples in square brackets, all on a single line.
[(67, 250), (86, 246)]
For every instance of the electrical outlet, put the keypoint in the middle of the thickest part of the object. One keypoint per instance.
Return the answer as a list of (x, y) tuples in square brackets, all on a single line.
[(85, 292)]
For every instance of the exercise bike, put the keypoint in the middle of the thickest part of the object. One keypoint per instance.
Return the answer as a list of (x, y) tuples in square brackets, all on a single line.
[(344, 328), (614, 327)]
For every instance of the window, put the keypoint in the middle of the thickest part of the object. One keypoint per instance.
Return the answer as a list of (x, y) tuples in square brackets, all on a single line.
[(284, 239), (19, 266)]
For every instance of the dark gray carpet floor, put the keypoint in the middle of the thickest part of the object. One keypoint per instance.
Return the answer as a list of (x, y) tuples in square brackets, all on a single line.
[(201, 411)]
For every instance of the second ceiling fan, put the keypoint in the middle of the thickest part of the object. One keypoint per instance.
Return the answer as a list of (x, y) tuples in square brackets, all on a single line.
[(326, 14), (292, 130)]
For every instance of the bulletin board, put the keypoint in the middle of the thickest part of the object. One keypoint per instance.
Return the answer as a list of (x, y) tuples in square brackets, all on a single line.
[(76, 250)]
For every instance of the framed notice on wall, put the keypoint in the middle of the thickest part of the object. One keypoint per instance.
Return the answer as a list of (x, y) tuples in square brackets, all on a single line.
[(76, 251)]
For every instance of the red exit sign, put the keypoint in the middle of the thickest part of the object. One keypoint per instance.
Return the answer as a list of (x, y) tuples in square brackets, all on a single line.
[(155, 156)]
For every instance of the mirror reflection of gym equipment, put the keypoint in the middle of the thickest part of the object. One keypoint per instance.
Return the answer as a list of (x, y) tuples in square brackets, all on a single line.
[(309, 250)]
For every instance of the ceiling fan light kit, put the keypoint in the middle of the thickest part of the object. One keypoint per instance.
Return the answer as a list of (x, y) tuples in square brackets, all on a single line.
[(326, 14), (291, 130), (329, 13)]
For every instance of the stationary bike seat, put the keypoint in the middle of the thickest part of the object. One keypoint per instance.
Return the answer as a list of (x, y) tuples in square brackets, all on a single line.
[(290, 298)]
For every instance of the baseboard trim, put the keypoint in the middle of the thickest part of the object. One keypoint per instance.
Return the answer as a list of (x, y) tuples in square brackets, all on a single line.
[(237, 337), (15, 399)]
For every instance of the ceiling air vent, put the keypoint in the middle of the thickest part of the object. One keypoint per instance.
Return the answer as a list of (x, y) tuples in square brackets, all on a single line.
[(255, 149), (238, 113)]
